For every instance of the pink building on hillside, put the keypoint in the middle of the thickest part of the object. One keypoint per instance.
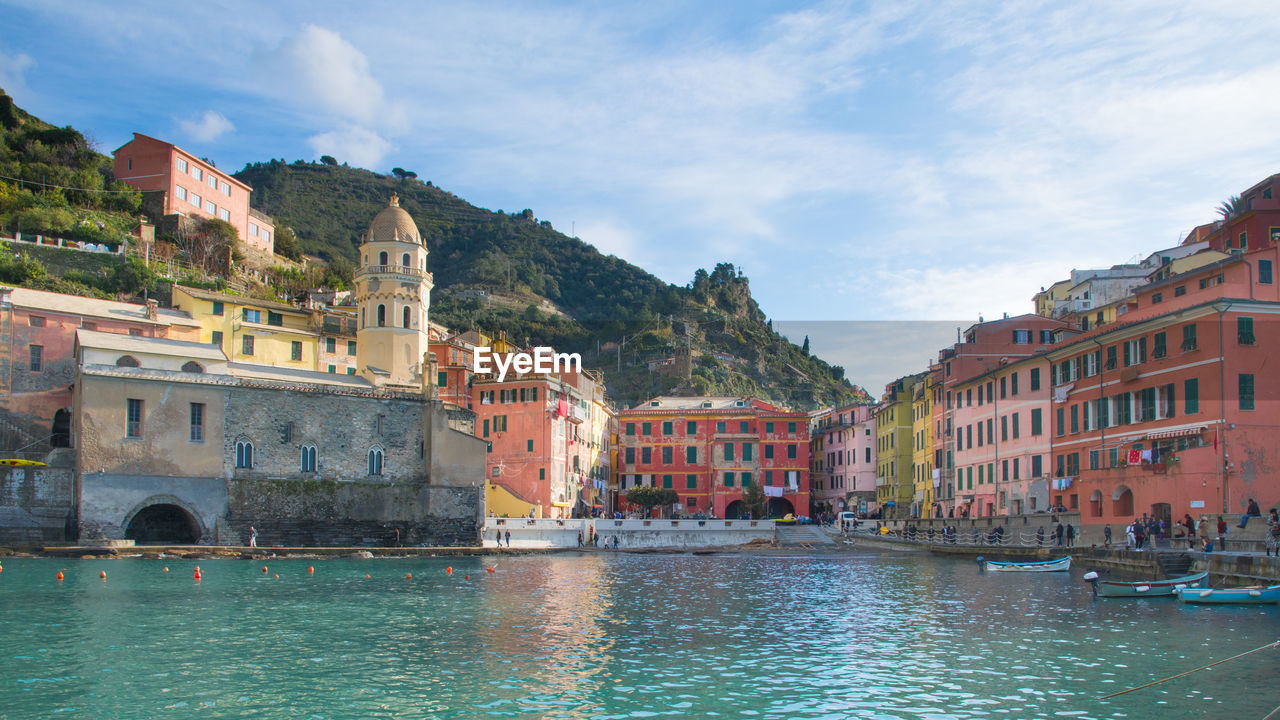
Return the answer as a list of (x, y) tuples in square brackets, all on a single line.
[(192, 187)]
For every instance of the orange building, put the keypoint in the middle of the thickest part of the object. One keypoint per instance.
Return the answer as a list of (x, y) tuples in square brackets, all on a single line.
[(709, 449), (192, 187)]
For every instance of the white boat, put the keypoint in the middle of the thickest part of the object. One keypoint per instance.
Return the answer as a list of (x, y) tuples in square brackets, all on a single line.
[(1146, 588), (1059, 565), (1233, 596)]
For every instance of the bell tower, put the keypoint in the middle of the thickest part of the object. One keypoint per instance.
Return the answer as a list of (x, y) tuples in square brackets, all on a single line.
[(393, 294)]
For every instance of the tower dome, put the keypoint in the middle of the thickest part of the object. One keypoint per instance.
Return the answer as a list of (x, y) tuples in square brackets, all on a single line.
[(393, 224)]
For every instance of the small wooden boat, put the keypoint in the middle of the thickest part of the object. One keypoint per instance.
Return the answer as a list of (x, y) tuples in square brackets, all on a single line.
[(1234, 596), (1059, 565), (1147, 588)]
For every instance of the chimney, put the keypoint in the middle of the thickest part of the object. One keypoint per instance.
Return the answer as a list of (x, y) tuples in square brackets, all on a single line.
[(153, 310)]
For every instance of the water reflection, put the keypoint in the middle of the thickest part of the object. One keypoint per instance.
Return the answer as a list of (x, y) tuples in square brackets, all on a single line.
[(611, 636)]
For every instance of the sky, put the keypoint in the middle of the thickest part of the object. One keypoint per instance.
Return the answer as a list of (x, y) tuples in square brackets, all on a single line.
[(859, 161)]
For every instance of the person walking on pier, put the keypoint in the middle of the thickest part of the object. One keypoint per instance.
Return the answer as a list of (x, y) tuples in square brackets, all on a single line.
[(1058, 532), (1222, 532), (508, 539)]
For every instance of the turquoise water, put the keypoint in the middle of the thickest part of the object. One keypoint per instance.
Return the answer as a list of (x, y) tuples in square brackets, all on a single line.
[(611, 636)]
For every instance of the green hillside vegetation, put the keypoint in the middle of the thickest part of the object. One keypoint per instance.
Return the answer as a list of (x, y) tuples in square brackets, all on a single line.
[(493, 270)]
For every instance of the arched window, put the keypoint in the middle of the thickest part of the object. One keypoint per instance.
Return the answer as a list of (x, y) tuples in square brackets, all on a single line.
[(128, 361), (382, 316), (382, 258), (404, 260), (308, 458), (244, 454), (406, 316), (375, 461), (193, 367)]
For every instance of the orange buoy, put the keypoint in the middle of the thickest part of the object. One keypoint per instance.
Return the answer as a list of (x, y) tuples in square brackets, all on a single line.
[(366, 575), (59, 576), (311, 570), (197, 575), (468, 577), (166, 569), (408, 576), (197, 569), (449, 570), (277, 577), (490, 569), (103, 574), (264, 569)]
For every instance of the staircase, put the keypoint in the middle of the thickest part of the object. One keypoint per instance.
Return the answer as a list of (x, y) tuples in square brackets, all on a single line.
[(800, 535), (1174, 564)]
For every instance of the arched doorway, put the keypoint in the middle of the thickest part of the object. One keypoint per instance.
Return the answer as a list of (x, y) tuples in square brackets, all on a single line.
[(735, 510), (779, 507), (1122, 502), (163, 524), (61, 430), (1095, 504)]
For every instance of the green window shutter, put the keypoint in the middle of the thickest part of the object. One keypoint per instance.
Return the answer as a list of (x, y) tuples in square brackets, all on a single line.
[(691, 428), (768, 477), (768, 427), (691, 455), (728, 451), (442, 378), (486, 427), (728, 479), (529, 445), (666, 428), (746, 479), (691, 482), (1191, 396), (791, 428), (646, 429), (542, 473), (742, 426), (746, 451), (666, 481)]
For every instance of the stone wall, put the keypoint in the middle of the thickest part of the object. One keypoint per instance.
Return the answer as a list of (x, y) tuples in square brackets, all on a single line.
[(35, 502), (109, 502), (293, 513)]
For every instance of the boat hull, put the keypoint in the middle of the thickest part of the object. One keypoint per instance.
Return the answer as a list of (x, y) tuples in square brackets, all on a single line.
[(1059, 565), (1153, 588), (1231, 596)]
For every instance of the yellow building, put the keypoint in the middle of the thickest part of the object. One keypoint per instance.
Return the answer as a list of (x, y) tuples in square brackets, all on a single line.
[(1047, 300), (922, 445), (895, 481), (252, 331)]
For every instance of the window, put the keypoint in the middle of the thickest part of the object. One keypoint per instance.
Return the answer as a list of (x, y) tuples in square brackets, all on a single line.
[(720, 426), (691, 482), (210, 207), (1135, 352), (646, 429), (1022, 337), (333, 369), (308, 458), (275, 318), (191, 366), (746, 479), (1035, 380), (244, 454), (666, 481), (1180, 291), (646, 455), (225, 214), (382, 316), (768, 452), (253, 230), (195, 200), (728, 451), (631, 456), (1037, 466), (791, 452), (631, 428), (218, 308), (182, 165), (1264, 272), (1191, 396), (666, 455), (197, 173), (691, 428), (375, 461), (253, 316), (212, 181), (1189, 337), (791, 428), (667, 428), (330, 345), (728, 479), (1244, 241), (197, 422), (1246, 391), (36, 353), (1037, 423), (746, 452), (351, 347), (246, 343), (1244, 330), (216, 338), (1062, 425), (768, 427), (1159, 345)]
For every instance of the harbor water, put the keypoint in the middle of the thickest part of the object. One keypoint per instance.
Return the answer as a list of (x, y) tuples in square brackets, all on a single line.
[(611, 636)]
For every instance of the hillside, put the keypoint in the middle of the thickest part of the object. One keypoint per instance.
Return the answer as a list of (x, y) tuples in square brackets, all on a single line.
[(651, 337)]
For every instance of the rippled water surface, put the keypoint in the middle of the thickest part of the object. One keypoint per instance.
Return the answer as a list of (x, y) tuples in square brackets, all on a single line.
[(611, 636)]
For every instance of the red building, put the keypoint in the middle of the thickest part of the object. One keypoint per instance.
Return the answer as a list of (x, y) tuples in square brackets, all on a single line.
[(1170, 410), (709, 449), (192, 187)]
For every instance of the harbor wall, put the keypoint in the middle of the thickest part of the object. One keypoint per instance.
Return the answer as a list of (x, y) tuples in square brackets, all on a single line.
[(551, 533)]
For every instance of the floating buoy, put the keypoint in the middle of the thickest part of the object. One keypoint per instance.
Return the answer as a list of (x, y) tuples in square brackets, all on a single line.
[(311, 570), (449, 570), (59, 576), (490, 569), (197, 569), (103, 574), (468, 577), (408, 576), (166, 569), (264, 569), (277, 577), (197, 575), (366, 575)]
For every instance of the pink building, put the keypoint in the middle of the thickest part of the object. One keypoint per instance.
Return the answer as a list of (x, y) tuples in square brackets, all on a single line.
[(192, 187), (843, 460)]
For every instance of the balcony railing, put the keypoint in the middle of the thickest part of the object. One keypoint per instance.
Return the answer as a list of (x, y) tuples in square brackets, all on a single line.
[(392, 269)]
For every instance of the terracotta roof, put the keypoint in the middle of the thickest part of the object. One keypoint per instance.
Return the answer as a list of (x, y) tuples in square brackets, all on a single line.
[(94, 307)]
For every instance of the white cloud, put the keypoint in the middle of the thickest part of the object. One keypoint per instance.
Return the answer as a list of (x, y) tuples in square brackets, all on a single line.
[(352, 144), (207, 128), (12, 70), (318, 69)]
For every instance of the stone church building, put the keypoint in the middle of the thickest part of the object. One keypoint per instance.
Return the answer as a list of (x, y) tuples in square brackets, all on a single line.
[(173, 442)]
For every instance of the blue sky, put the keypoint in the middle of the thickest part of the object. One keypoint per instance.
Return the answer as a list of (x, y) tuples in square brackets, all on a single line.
[(860, 161)]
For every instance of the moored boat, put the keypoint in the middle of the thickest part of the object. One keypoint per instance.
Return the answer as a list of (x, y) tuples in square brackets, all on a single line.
[(1233, 596), (1147, 588), (1061, 564)]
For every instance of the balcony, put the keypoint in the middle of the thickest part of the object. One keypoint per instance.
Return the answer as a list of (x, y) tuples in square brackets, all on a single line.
[(392, 270)]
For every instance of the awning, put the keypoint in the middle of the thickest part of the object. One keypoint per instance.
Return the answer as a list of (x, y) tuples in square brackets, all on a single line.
[(1184, 432)]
